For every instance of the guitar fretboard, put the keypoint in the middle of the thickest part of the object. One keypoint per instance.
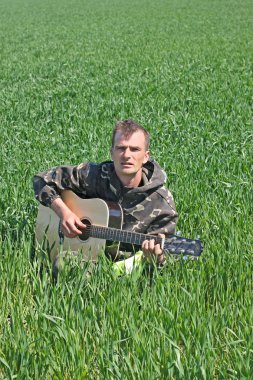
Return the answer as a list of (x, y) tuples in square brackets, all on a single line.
[(114, 234)]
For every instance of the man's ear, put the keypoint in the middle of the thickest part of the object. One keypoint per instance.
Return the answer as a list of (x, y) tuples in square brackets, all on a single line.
[(146, 158)]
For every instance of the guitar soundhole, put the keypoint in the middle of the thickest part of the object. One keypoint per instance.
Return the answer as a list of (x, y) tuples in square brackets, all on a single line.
[(86, 232)]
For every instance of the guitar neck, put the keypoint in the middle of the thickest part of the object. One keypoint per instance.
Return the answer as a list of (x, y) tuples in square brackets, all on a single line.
[(172, 244), (114, 234)]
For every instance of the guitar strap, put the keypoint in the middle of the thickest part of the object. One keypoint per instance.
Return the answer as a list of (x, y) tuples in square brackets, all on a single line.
[(60, 234), (56, 265)]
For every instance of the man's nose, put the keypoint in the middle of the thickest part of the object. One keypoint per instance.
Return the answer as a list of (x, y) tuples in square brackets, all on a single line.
[(127, 152)]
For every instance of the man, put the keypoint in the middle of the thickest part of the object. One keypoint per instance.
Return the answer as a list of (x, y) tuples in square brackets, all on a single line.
[(131, 179)]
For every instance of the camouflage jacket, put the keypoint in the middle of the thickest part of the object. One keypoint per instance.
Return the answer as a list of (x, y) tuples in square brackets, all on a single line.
[(148, 208)]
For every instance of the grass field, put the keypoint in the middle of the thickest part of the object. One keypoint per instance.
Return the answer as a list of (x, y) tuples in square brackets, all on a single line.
[(68, 71)]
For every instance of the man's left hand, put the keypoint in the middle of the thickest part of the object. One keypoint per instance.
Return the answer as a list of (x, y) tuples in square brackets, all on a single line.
[(153, 251)]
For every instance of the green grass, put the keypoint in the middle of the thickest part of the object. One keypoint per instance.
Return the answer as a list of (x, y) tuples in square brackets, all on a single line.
[(68, 71)]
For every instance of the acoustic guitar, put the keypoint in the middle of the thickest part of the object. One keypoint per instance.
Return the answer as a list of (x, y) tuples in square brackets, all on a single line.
[(103, 232)]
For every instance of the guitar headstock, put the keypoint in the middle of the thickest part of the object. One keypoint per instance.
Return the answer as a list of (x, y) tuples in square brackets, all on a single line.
[(179, 245)]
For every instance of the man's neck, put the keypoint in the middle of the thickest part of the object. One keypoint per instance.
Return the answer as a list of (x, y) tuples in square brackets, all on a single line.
[(131, 181)]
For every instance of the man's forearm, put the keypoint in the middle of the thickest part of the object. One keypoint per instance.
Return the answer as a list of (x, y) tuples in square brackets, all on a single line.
[(60, 208)]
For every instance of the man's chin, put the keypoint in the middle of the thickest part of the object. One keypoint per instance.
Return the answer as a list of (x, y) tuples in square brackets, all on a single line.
[(129, 171)]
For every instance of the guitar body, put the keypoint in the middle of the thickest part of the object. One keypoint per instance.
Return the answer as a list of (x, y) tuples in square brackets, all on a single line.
[(90, 211)]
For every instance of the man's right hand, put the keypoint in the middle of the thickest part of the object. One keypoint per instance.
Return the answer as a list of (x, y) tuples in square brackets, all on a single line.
[(70, 222), (71, 225)]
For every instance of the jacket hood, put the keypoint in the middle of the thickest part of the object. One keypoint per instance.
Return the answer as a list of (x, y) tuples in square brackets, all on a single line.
[(153, 177)]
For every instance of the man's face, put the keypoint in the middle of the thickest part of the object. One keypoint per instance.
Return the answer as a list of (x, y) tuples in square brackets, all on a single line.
[(129, 154)]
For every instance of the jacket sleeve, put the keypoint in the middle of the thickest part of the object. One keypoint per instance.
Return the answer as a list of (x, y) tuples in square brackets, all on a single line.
[(81, 179), (166, 219)]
